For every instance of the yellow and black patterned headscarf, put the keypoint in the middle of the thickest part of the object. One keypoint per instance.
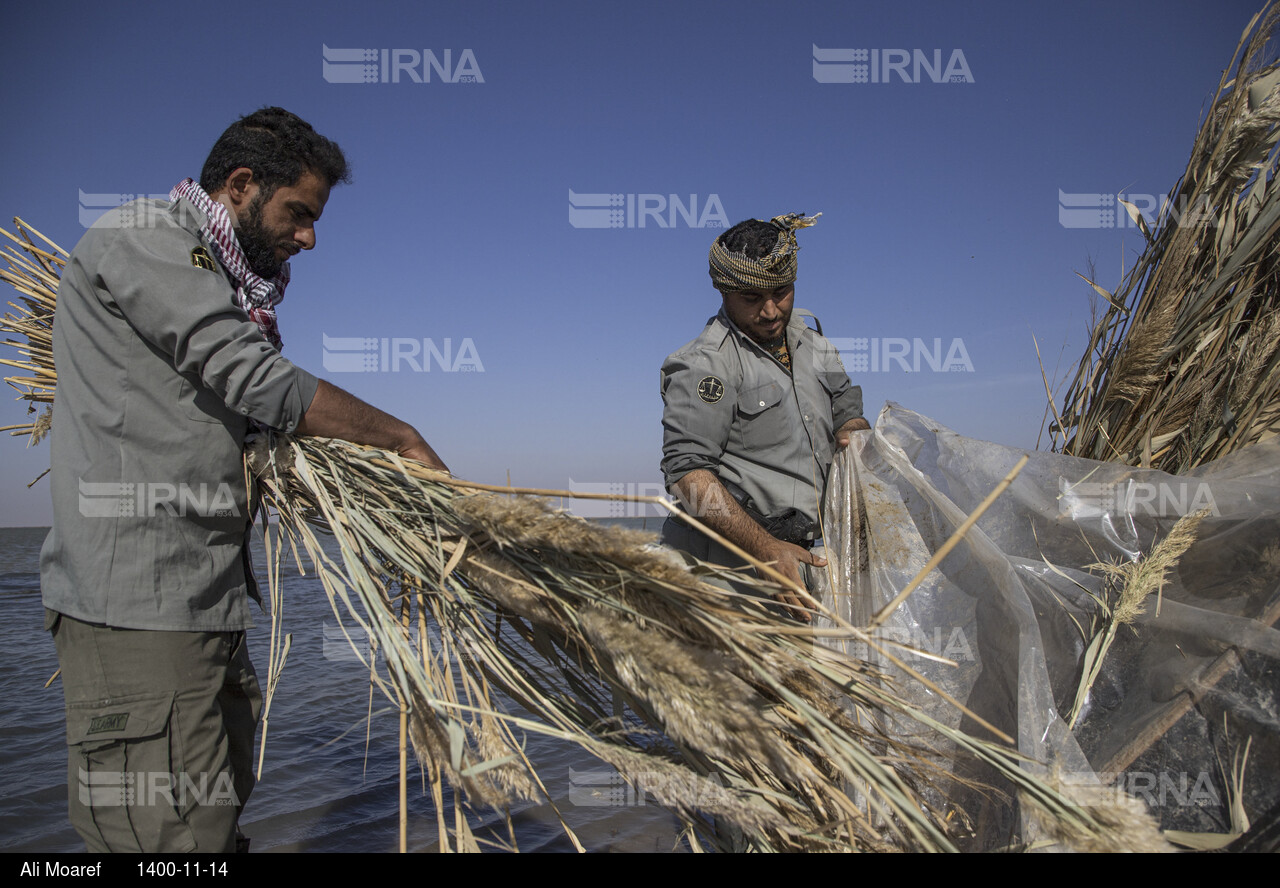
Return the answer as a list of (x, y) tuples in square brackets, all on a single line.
[(736, 271)]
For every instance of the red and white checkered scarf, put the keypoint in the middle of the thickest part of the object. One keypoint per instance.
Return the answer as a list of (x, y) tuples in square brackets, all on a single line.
[(257, 296)]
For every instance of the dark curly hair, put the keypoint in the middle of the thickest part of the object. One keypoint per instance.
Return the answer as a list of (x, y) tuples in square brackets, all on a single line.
[(279, 147), (753, 237)]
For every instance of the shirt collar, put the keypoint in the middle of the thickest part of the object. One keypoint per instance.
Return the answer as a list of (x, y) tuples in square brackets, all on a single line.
[(795, 329)]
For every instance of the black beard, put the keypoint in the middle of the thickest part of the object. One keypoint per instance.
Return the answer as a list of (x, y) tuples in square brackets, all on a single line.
[(259, 251)]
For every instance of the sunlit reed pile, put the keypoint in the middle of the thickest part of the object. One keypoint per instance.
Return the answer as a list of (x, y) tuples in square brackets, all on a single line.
[(1183, 366), (489, 616), (34, 272)]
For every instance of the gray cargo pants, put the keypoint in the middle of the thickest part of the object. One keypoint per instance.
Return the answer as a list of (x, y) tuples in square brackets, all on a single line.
[(160, 729)]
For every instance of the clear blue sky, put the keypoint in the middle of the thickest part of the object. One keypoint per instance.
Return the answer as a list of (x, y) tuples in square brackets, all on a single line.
[(940, 201)]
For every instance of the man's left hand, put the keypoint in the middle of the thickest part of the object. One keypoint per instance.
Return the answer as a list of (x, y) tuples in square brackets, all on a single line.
[(786, 559), (845, 433)]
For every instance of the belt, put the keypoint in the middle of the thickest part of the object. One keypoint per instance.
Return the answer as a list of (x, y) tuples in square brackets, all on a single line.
[(804, 544)]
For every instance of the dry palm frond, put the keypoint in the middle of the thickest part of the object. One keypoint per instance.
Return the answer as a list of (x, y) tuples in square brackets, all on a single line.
[(1183, 367), (494, 617)]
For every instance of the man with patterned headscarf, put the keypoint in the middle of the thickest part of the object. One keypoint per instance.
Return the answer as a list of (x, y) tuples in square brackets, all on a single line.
[(167, 350), (754, 409)]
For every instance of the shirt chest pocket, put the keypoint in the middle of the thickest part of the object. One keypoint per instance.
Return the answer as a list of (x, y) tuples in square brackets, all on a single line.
[(763, 418)]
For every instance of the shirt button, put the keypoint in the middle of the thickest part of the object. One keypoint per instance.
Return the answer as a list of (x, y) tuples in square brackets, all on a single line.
[(762, 403), (244, 411)]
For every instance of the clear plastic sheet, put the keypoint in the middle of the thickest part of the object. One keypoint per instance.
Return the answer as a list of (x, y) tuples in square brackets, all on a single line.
[(1180, 693)]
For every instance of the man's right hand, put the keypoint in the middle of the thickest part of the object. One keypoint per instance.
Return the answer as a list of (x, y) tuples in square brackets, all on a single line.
[(707, 499), (421, 451), (334, 413)]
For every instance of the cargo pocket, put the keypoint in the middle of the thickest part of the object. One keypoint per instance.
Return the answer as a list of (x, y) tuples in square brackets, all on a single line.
[(764, 421), (121, 776)]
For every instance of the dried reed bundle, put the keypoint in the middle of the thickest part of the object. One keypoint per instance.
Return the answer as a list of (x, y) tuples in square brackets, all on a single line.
[(704, 698), (726, 713), (1184, 365), (494, 616), (34, 275)]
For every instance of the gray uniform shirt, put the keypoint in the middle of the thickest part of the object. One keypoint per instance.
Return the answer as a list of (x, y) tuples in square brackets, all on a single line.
[(159, 372), (731, 408)]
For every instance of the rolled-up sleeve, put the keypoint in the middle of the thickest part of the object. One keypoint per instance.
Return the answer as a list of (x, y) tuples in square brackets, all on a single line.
[(188, 313), (698, 405), (846, 398)]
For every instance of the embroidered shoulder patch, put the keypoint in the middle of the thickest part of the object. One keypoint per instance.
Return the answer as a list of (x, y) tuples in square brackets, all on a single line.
[(710, 389), (200, 258)]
